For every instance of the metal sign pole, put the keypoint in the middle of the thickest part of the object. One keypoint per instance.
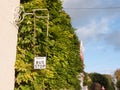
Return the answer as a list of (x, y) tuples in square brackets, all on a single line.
[(20, 17), (35, 17)]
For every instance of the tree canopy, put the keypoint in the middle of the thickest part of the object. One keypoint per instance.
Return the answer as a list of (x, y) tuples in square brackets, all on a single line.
[(101, 79), (61, 48), (117, 74)]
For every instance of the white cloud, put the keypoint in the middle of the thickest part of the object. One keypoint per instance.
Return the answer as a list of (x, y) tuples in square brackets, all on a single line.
[(83, 16), (99, 31), (93, 31), (113, 39), (93, 24)]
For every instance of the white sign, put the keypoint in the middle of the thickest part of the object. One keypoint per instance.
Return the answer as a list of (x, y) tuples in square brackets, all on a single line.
[(39, 62)]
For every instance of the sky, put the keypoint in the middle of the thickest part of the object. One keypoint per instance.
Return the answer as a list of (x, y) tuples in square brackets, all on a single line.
[(97, 24)]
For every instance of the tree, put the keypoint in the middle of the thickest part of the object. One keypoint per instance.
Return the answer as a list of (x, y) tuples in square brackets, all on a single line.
[(87, 80), (95, 86), (63, 62), (101, 79), (117, 74), (118, 84), (111, 84)]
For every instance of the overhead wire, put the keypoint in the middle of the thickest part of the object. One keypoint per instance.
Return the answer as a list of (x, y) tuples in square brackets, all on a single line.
[(93, 8)]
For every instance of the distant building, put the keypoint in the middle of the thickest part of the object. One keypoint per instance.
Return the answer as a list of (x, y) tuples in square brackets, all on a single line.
[(8, 43), (81, 51), (82, 73), (82, 58)]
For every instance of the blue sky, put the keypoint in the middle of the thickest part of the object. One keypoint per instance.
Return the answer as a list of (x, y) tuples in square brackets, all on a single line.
[(99, 30)]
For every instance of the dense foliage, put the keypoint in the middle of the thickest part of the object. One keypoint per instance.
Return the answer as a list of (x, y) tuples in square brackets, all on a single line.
[(101, 79), (117, 74), (110, 81), (118, 84), (60, 47), (95, 81), (87, 80), (95, 86)]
